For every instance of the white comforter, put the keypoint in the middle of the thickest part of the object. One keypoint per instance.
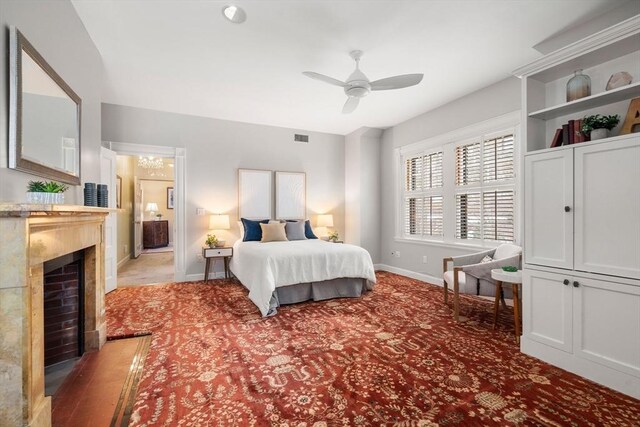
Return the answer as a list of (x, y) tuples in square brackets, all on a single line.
[(263, 267)]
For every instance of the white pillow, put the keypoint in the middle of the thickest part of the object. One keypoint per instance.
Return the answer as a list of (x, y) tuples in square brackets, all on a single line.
[(506, 250)]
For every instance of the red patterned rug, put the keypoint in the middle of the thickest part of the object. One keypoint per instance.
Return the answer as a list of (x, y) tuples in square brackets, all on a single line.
[(392, 357)]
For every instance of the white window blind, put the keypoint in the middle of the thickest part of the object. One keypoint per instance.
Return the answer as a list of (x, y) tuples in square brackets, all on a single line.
[(468, 216), (468, 164), (413, 173), (433, 170), (498, 213), (424, 216), (497, 159)]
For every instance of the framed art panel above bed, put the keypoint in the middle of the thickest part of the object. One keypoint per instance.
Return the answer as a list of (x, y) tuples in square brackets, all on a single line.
[(291, 195), (255, 194)]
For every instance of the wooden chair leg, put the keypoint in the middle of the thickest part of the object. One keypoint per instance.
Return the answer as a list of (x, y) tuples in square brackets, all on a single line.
[(496, 303), (516, 310), (456, 296)]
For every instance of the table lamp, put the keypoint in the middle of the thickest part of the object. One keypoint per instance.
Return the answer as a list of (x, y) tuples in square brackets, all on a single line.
[(324, 221), (152, 207), (219, 222)]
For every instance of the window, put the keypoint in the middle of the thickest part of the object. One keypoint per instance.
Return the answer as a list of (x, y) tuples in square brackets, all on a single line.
[(423, 200), (485, 189), (462, 191)]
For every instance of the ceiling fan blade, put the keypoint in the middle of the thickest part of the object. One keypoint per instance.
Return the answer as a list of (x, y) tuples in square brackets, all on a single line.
[(397, 82), (350, 105), (324, 78)]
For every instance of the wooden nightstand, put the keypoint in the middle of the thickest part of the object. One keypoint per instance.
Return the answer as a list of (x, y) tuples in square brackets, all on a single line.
[(213, 254)]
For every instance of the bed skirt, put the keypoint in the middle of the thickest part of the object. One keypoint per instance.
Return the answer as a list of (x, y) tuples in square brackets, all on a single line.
[(317, 291)]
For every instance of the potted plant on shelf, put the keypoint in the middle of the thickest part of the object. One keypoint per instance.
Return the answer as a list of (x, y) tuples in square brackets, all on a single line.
[(598, 127), (46, 192), (212, 240)]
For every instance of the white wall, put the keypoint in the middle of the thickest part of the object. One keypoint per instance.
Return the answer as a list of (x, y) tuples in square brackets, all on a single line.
[(215, 149), (492, 101), (55, 30), (362, 189)]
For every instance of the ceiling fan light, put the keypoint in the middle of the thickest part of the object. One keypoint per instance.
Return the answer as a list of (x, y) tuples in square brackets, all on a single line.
[(234, 14)]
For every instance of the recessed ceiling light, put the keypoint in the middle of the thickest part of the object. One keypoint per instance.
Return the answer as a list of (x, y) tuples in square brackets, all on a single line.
[(234, 14)]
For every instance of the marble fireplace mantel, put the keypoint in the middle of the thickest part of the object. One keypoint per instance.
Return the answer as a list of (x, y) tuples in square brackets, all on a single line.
[(29, 236)]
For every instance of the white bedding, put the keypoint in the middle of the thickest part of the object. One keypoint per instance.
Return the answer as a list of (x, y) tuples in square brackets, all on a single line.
[(263, 267)]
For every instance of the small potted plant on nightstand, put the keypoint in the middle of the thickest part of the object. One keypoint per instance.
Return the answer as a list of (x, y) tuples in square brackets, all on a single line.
[(334, 236), (598, 127), (46, 192), (212, 240)]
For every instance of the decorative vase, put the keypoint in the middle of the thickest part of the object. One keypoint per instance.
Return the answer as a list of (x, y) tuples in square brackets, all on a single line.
[(578, 86), (45, 198), (212, 245), (599, 134), (220, 243)]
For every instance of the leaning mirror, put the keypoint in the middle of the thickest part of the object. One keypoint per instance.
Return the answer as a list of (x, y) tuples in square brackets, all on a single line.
[(44, 116)]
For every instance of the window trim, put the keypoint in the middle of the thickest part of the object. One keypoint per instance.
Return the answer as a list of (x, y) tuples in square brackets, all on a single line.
[(446, 143)]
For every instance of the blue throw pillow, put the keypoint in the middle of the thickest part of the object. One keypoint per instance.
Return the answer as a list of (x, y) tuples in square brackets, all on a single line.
[(252, 230), (308, 232)]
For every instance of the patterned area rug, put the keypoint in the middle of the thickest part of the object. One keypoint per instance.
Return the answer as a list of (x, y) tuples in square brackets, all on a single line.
[(392, 357)]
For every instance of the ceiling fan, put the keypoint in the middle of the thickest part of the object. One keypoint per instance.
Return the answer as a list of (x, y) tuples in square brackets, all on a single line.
[(358, 85)]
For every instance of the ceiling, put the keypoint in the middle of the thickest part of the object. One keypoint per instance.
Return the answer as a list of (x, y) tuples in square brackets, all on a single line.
[(182, 55)]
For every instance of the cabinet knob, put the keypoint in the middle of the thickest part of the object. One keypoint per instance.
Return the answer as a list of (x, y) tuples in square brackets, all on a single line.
[(567, 208), (566, 282), (576, 284)]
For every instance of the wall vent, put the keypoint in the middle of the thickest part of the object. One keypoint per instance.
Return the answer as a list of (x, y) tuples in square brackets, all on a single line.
[(303, 139)]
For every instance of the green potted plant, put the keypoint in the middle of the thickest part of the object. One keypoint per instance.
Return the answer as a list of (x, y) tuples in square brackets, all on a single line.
[(598, 126), (334, 236), (212, 240), (46, 192)]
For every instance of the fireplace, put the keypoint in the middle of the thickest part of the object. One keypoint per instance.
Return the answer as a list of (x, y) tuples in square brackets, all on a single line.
[(63, 288), (35, 239)]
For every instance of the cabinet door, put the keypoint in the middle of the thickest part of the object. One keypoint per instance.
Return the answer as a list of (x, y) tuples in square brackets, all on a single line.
[(606, 322), (607, 208), (548, 206), (546, 310)]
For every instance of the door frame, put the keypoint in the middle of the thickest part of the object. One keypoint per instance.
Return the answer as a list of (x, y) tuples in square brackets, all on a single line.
[(180, 175)]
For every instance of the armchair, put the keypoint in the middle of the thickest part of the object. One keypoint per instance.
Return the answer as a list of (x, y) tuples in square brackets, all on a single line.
[(471, 275)]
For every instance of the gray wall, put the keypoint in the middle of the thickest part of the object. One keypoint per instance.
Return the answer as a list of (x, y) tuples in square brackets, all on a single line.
[(215, 149), (492, 101), (362, 189), (55, 30)]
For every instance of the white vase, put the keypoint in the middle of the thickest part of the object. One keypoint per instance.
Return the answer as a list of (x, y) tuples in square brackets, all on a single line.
[(45, 198), (599, 134)]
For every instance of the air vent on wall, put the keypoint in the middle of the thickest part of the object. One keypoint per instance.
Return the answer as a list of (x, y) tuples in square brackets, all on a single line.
[(303, 139)]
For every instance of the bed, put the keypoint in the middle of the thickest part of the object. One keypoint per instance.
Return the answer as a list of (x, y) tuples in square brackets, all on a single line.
[(277, 273)]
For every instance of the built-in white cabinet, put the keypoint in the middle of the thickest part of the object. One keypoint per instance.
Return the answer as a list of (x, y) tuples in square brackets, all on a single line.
[(607, 208), (581, 211), (548, 205), (582, 207), (593, 319)]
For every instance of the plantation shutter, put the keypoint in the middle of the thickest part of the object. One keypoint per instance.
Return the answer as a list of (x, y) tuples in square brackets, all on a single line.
[(498, 208), (497, 162), (468, 164), (468, 216), (414, 212), (433, 216), (413, 173), (433, 170)]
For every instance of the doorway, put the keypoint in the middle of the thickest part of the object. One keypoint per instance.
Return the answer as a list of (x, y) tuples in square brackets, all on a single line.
[(146, 203), (150, 195)]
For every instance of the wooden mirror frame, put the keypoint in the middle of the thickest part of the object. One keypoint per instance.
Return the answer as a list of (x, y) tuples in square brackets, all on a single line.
[(17, 44)]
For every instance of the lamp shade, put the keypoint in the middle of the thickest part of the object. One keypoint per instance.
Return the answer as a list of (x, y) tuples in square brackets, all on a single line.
[(325, 220), (152, 207), (219, 222)]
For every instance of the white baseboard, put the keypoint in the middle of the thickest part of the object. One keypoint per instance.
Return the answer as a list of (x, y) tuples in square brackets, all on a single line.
[(200, 276), (123, 262), (408, 273)]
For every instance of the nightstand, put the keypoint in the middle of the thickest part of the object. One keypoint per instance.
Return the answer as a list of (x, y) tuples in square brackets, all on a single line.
[(213, 254)]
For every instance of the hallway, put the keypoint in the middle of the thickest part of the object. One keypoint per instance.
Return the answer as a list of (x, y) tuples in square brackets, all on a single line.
[(150, 268)]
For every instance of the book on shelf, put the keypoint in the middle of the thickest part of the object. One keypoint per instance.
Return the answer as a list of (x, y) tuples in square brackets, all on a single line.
[(565, 134), (572, 131), (557, 139), (577, 133)]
